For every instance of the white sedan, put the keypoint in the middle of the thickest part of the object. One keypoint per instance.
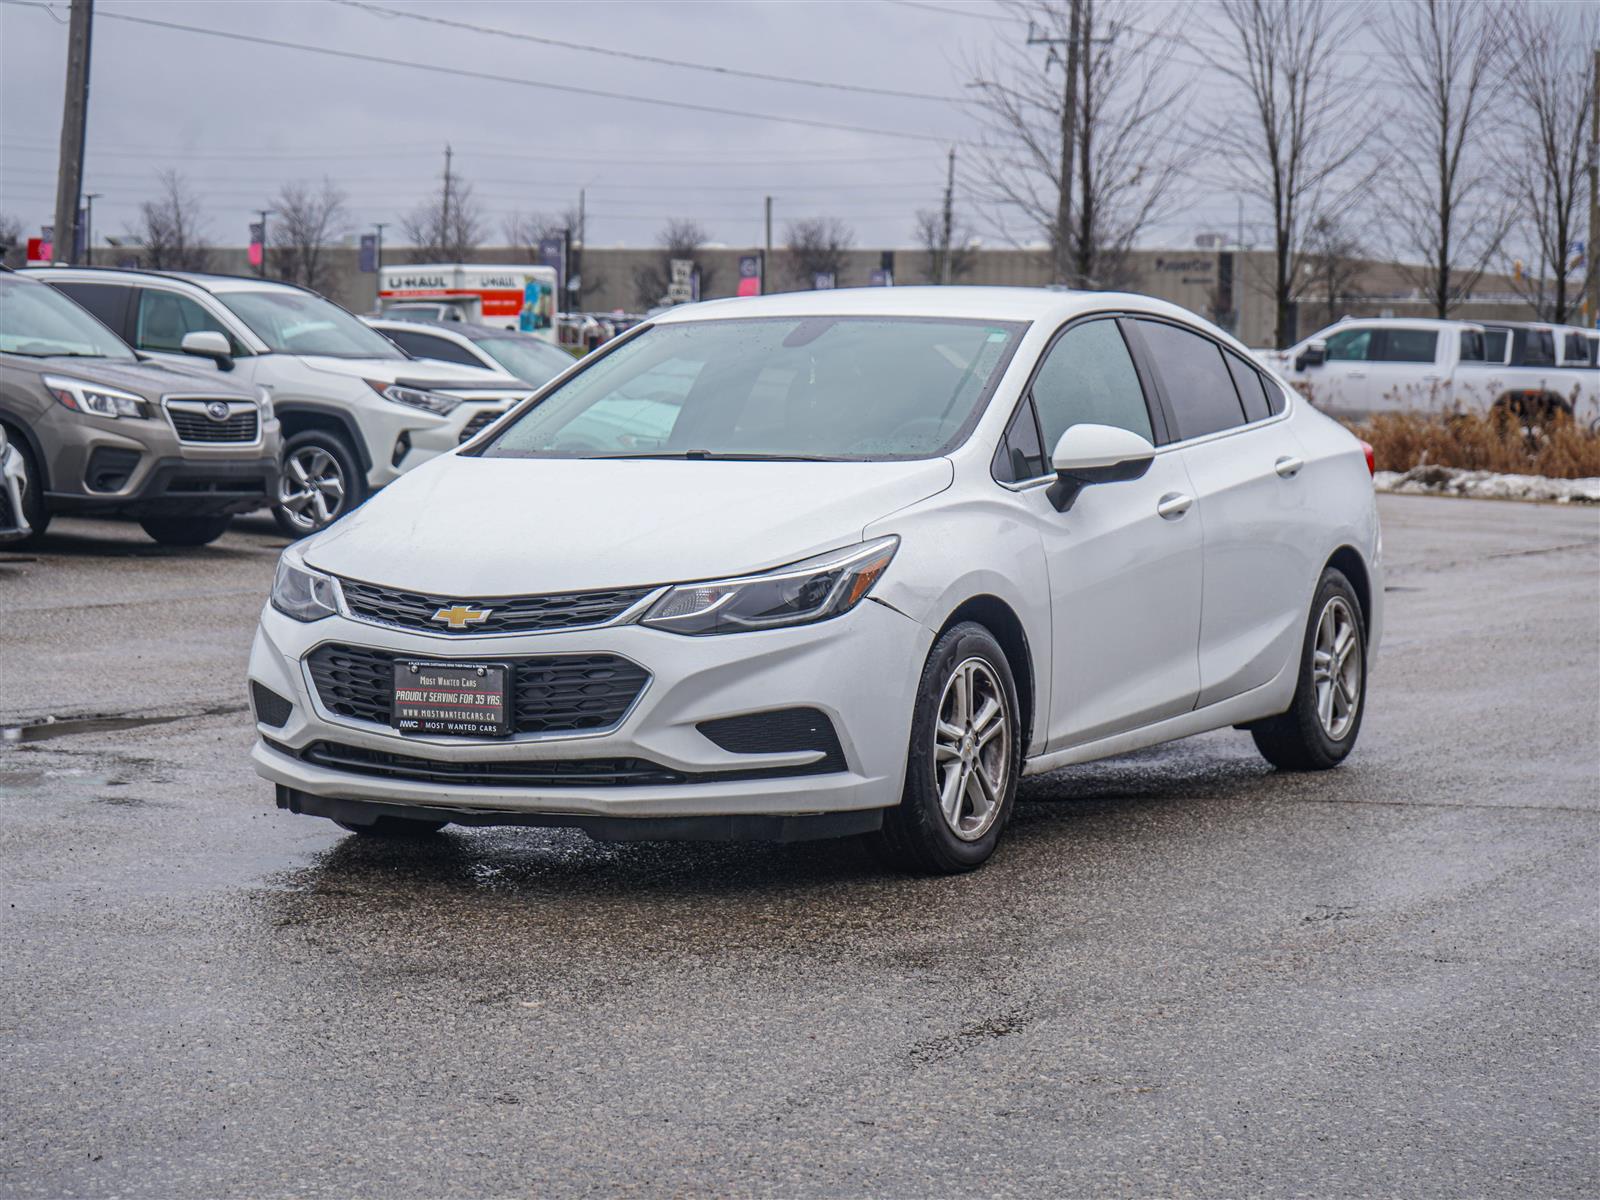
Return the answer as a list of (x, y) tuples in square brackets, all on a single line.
[(832, 563)]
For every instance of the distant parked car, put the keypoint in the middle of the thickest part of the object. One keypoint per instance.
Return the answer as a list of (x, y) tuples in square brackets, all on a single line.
[(442, 311), (532, 360), (100, 432), (357, 411), (1383, 364), (13, 483)]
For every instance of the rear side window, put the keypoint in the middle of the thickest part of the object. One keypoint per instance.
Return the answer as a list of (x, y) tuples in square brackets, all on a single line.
[(1088, 378), (1196, 379), (1350, 345), (165, 317), (1408, 345), (1019, 455), (107, 301), (1577, 351), (1494, 345), (1252, 388), (1541, 349), (427, 345), (1472, 346)]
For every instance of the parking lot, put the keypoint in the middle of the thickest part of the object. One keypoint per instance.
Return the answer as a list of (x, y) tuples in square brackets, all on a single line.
[(1183, 974)]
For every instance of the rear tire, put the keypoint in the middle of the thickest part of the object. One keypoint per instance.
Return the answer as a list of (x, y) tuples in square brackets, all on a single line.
[(185, 531), (320, 481), (1330, 698), (394, 828), (963, 762)]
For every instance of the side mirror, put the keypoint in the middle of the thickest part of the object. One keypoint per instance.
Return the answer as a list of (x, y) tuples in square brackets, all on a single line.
[(1314, 355), (208, 343), (1090, 454)]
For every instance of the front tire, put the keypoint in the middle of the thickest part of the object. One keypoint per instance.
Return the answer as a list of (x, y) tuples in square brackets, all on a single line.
[(1321, 726), (34, 508), (964, 759), (318, 484), (185, 531)]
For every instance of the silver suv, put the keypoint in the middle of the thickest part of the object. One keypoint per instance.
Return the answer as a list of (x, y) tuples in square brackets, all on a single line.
[(101, 432), (357, 411)]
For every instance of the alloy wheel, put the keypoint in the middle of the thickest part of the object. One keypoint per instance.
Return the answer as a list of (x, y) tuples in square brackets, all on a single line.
[(311, 490), (972, 749), (1336, 668)]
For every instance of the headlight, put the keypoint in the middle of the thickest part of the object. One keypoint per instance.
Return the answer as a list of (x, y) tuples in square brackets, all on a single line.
[(82, 396), (414, 397), (264, 398), (799, 594), (301, 593)]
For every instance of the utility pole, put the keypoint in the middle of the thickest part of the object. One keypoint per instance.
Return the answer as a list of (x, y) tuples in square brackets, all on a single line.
[(88, 226), (444, 220), (577, 253), (766, 255), (949, 218), (1060, 265), (74, 126), (1591, 252), (265, 213)]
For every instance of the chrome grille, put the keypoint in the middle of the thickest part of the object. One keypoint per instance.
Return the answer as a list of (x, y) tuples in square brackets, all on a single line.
[(192, 422), (507, 614)]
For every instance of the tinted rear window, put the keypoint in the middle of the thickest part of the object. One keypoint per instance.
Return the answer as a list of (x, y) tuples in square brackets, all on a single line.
[(1540, 350), (106, 301), (1408, 345), (1252, 388), (1196, 379)]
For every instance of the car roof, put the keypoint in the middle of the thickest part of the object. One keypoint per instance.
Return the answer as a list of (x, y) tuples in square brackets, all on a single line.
[(1410, 323), (956, 302), (205, 280), (469, 331)]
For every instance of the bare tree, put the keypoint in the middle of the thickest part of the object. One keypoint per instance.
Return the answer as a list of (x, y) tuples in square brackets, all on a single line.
[(171, 230), (1331, 267), (930, 236), (679, 238), (1304, 126), (12, 245), (1550, 82), (1088, 163), (1441, 197), (446, 227), (307, 220), (816, 246), (526, 232)]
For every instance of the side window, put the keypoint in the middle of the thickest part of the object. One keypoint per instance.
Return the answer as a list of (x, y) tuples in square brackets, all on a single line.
[(1494, 345), (1019, 455), (1252, 388), (1576, 353), (1541, 350), (426, 345), (1408, 346), (106, 301), (1275, 398), (1472, 347), (1350, 345), (164, 317), (1196, 380), (1088, 378)]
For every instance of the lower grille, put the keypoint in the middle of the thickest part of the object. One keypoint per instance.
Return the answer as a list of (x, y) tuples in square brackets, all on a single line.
[(554, 693)]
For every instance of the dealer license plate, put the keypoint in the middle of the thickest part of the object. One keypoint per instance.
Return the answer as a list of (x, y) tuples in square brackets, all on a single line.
[(460, 699)]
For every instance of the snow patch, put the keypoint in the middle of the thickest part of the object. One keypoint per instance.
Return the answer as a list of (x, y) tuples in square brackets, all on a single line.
[(1487, 485)]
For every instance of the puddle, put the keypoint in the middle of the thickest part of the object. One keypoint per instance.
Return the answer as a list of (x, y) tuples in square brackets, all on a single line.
[(51, 727)]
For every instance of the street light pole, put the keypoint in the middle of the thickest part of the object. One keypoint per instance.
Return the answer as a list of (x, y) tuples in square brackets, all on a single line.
[(265, 213), (378, 247), (88, 226), (74, 125)]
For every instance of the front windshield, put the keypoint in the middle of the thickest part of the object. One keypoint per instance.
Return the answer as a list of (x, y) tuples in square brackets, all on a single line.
[(38, 321), (299, 323), (852, 388), (527, 358)]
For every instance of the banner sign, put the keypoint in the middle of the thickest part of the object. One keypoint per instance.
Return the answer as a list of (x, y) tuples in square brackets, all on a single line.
[(369, 253), (553, 253), (749, 275)]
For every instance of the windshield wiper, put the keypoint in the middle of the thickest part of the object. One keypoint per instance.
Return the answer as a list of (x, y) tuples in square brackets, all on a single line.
[(721, 456)]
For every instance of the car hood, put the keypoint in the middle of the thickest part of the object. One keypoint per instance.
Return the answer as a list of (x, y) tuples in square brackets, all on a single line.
[(434, 376), (149, 379), (468, 526)]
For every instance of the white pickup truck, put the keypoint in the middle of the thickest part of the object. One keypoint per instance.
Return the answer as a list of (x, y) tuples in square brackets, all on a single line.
[(1384, 364)]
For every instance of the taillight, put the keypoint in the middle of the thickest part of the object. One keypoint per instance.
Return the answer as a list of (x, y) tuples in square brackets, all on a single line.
[(1372, 458)]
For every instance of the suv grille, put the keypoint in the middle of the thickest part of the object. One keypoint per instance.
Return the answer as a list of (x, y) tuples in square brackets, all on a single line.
[(507, 614), (554, 693), (193, 423)]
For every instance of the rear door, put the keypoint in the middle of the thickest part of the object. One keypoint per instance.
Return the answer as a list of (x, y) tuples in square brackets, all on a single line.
[(1255, 513), (1407, 373)]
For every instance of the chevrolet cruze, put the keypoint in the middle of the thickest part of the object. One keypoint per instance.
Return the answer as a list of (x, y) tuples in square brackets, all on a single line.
[(832, 563)]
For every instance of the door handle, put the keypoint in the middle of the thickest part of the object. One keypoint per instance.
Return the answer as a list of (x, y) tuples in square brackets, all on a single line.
[(1288, 466), (1173, 505)]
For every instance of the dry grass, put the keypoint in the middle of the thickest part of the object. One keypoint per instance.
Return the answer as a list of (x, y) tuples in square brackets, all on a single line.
[(1558, 448)]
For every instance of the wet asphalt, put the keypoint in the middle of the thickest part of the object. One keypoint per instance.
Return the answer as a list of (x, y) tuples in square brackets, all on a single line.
[(1183, 975)]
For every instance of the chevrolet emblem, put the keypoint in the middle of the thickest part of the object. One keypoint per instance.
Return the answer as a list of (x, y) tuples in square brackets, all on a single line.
[(459, 616)]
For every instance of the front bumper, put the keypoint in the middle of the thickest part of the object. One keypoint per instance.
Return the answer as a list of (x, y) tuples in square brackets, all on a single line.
[(859, 670), (13, 482)]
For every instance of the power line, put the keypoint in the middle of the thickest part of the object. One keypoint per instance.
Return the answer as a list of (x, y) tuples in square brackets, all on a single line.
[(384, 11), (488, 76)]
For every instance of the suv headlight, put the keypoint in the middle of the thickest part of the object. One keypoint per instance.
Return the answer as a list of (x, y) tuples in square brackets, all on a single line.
[(414, 397), (264, 398), (301, 593), (82, 396), (799, 594)]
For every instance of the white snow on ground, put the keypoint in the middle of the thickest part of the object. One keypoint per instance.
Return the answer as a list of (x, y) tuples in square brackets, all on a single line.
[(1487, 485)]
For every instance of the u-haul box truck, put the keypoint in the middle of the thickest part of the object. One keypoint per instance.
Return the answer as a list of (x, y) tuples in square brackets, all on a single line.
[(507, 297)]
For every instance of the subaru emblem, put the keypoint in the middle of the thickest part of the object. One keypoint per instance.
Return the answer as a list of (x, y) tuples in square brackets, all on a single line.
[(217, 410)]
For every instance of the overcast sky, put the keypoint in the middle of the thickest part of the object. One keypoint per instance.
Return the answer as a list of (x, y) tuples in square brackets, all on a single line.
[(239, 120)]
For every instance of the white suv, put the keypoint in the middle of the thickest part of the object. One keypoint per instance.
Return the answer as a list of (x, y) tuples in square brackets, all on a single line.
[(357, 411)]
